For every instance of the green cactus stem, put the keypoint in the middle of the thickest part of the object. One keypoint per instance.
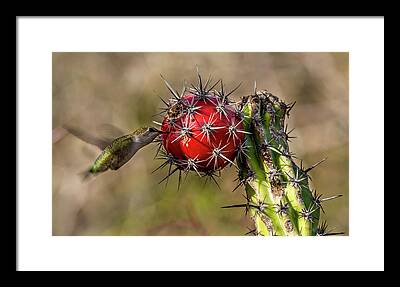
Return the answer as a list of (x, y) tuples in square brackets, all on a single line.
[(279, 198)]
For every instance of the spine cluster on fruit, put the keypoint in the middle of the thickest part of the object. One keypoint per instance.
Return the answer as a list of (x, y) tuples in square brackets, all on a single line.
[(204, 130)]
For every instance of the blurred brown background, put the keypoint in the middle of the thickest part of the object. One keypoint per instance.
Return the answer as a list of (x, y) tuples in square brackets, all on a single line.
[(123, 89)]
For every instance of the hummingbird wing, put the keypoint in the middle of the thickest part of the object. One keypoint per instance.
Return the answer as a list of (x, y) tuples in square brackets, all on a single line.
[(87, 137), (109, 132), (58, 134)]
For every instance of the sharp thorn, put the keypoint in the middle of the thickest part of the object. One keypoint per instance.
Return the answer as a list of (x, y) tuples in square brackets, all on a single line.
[(237, 87), (315, 165), (251, 232), (169, 174), (290, 107), (200, 81), (330, 198), (216, 83), (164, 101), (236, 205), (179, 179), (333, 233), (173, 92)]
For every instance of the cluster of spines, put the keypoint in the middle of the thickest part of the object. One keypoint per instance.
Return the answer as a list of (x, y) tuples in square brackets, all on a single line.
[(278, 196)]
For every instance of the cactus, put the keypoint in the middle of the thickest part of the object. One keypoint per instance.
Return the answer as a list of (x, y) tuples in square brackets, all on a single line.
[(204, 130), (278, 195)]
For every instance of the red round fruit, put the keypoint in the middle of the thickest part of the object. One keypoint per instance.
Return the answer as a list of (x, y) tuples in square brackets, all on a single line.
[(202, 133)]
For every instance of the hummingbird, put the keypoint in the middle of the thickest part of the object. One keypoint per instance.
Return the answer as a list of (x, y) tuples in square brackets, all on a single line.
[(115, 151)]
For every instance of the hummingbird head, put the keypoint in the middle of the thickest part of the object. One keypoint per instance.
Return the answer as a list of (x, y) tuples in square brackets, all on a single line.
[(148, 135)]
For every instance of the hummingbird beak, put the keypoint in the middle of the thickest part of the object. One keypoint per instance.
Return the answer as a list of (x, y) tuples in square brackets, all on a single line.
[(156, 130)]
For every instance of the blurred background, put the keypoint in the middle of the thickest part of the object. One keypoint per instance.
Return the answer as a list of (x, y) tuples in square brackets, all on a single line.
[(123, 89)]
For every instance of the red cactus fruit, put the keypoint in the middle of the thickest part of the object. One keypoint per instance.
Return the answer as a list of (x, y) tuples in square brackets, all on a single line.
[(202, 130)]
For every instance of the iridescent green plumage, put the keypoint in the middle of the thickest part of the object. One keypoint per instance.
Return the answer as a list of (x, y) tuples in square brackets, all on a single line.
[(116, 152), (121, 150)]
